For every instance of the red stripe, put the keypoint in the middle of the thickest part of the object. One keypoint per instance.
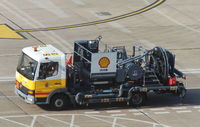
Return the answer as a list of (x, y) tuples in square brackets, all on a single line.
[(41, 93)]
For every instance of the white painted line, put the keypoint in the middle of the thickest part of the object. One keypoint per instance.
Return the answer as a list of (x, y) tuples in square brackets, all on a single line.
[(196, 107), (160, 113), (105, 121), (33, 121), (113, 111), (157, 109), (178, 108), (72, 121), (191, 72), (118, 114), (6, 55), (193, 88), (135, 120), (191, 69), (59, 121), (79, 2), (114, 122), (91, 112), (184, 111), (138, 114), (6, 79), (133, 110), (51, 7), (97, 117), (15, 122), (8, 96)]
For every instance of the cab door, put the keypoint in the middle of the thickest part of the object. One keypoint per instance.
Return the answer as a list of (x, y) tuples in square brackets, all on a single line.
[(49, 79)]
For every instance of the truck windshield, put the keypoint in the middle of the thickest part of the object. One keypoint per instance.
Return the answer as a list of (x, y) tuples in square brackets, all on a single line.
[(27, 66)]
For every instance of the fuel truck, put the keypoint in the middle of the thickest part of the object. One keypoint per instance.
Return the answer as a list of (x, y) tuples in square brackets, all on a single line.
[(45, 75)]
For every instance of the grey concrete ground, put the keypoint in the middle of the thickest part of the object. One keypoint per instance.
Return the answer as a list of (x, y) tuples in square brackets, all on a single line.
[(175, 25)]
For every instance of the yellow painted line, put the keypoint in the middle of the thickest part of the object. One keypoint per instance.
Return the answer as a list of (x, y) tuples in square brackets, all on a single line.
[(147, 8), (7, 32)]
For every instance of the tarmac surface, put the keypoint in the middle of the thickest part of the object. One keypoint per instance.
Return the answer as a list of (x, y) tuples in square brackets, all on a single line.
[(174, 25)]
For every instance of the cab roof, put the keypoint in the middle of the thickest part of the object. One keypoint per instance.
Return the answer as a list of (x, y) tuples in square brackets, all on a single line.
[(42, 52)]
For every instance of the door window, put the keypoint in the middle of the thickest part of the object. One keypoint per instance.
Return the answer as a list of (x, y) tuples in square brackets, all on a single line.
[(48, 70)]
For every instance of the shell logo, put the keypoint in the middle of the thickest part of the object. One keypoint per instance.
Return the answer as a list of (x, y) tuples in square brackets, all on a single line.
[(104, 62)]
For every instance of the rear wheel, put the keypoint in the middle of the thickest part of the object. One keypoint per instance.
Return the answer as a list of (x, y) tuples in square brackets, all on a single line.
[(59, 102), (182, 93), (137, 99)]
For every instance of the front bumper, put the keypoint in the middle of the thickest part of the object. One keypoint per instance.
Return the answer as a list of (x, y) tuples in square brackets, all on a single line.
[(27, 98)]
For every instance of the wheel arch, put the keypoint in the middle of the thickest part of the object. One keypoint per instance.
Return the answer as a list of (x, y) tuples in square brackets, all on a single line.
[(63, 91)]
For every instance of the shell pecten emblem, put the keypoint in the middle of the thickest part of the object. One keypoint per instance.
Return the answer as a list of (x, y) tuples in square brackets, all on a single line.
[(104, 62)]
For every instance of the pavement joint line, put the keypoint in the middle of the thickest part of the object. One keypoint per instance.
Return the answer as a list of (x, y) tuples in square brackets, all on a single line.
[(113, 111), (157, 109), (118, 114), (179, 108), (160, 113), (91, 112), (184, 111)]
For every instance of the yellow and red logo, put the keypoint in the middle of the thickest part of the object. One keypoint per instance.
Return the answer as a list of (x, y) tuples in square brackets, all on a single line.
[(104, 62)]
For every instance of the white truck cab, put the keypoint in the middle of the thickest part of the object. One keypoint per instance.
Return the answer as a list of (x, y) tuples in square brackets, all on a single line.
[(40, 71)]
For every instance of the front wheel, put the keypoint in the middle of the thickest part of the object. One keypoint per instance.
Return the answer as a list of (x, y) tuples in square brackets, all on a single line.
[(59, 102), (137, 99)]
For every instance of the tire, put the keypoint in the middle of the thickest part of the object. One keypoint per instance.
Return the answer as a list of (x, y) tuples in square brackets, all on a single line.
[(182, 93), (59, 102), (137, 99)]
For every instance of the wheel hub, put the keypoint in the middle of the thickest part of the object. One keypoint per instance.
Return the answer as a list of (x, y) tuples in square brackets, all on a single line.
[(59, 103)]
